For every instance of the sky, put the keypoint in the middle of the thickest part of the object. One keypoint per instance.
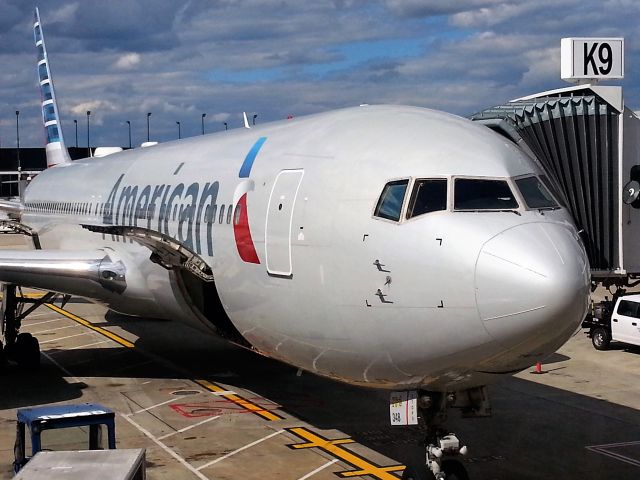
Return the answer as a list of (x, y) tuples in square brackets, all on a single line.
[(121, 59)]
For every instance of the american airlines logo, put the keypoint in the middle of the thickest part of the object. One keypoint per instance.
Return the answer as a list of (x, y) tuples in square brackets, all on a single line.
[(156, 207), (185, 208)]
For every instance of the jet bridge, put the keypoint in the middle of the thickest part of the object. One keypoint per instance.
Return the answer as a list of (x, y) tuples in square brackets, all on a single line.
[(588, 143)]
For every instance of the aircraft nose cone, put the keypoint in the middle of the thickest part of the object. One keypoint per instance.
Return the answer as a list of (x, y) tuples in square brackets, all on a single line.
[(532, 288)]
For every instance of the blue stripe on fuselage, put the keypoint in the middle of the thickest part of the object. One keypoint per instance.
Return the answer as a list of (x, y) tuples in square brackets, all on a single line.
[(245, 170)]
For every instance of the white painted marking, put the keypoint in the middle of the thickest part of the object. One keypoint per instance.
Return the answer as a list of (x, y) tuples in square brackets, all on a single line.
[(605, 450), (171, 452), (188, 428), (31, 324), (52, 329), (224, 392), (89, 344), (63, 338), (620, 444), (212, 462), (152, 407), (33, 315), (319, 469)]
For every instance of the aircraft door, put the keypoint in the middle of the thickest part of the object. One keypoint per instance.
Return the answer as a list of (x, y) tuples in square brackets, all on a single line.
[(278, 222)]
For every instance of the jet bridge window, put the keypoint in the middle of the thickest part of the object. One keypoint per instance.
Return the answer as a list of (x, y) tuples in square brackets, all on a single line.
[(480, 194), (429, 195), (535, 194), (390, 202)]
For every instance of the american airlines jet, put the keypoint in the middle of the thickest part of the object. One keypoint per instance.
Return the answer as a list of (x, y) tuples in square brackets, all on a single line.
[(385, 246)]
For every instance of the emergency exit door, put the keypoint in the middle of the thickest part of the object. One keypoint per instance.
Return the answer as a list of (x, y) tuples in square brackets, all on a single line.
[(278, 223)]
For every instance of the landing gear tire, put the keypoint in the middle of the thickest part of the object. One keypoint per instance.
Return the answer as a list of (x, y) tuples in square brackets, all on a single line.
[(454, 470), (417, 472), (27, 350), (600, 338)]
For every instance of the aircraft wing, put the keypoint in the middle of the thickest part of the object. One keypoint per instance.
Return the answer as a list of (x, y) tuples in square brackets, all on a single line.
[(92, 273)]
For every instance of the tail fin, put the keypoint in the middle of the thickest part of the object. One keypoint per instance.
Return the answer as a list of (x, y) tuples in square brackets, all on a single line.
[(56, 150)]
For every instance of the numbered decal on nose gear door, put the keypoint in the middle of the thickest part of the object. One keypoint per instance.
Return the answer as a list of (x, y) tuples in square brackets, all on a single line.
[(403, 408)]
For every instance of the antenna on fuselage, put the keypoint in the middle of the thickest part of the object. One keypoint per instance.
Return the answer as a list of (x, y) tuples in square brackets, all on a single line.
[(246, 120), (55, 148)]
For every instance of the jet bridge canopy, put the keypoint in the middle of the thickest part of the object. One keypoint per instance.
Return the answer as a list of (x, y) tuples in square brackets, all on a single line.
[(587, 143)]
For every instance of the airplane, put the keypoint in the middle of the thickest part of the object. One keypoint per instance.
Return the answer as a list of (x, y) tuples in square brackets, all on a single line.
[(391, 247)]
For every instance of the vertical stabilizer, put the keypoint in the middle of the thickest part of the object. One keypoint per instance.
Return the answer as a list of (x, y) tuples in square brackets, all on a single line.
[(56, 150)]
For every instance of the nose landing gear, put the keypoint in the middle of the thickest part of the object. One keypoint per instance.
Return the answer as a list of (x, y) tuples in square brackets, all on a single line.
[(444, 449)]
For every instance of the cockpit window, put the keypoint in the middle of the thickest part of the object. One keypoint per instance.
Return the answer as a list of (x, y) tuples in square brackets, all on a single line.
[(429, 195), (390, 202), (476, 194), (535, 194)]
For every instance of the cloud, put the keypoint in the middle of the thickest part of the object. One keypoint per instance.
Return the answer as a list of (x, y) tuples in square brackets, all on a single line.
[(426, 8), (95, 105), (122, 59), (127, 61)]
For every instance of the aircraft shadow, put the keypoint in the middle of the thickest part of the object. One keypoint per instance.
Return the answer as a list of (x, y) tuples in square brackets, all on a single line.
[(536, 431)]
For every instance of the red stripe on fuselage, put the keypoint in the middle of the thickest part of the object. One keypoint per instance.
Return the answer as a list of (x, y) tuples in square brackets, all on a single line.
[(241, 231)]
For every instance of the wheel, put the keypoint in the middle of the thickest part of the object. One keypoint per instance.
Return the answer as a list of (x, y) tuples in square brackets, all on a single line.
[(600, 337), (417, 472), (27, 351), (454, 470)]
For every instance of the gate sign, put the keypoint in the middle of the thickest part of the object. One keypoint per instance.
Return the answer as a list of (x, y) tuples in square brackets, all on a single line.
[(591, 59)]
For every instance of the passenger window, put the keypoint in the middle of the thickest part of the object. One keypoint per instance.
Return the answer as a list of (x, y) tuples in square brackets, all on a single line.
[(535, 194), (229, 212), (390, 202), (429, 195), (628, 309), (236, 215), (475, 194), (221, 216)]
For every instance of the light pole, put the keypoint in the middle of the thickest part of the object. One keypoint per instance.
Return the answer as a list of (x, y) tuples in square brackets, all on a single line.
[(18, 141), (148, 115), (76, 124), (255, 115), (203, 115), (226, 127), (129, 125), (88, 137), (179, 131)]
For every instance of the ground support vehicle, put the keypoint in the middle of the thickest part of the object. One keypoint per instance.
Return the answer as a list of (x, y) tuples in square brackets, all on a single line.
[(127, 464), (43, 418), (617, 319)]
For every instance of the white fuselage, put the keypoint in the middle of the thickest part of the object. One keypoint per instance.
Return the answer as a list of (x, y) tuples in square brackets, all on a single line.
[(446, 300)]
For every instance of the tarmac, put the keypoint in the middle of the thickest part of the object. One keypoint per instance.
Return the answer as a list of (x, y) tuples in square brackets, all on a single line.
[(205, 409)]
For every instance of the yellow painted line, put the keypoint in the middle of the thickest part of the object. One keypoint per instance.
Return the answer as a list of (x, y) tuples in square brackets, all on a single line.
[(32, 295), (82, 321), (29, 295), (332, 447), (238, 400)]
